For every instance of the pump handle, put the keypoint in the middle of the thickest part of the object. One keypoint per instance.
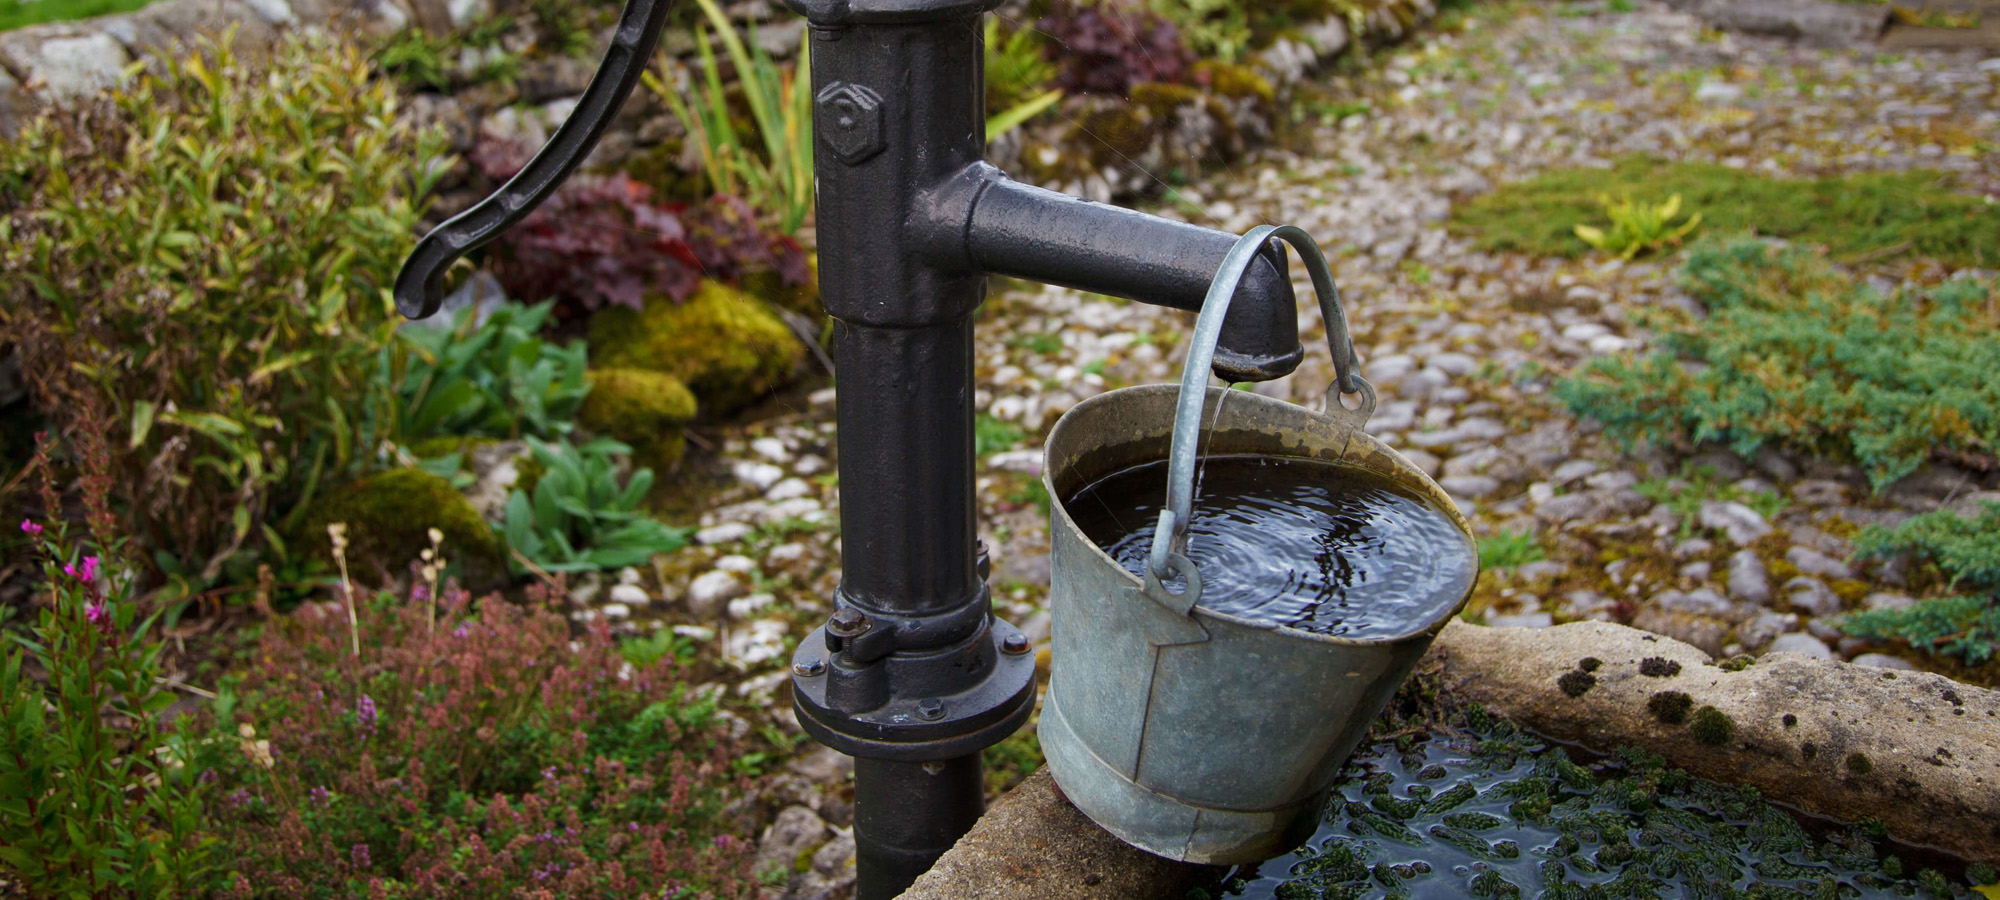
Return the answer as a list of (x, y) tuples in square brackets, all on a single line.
[(420, 285)]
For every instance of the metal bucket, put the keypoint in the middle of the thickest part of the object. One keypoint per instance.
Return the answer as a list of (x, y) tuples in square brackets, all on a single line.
[(1197, 735)]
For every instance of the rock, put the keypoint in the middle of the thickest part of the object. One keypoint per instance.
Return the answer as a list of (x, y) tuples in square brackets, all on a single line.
[(1885, 600), (1809, 21), (795, 831), (16, 105), (1884, 661), (1524, 620), (1425, 461), (786, 558), (760, 642), (1819, 492), (836, 860), (1766, 627), (1457, 365), (736, 562), (1569, 508), (1739, 523), (1802, 644), (711, 591), (1587, 605), (749, 605), (551, 77), (615, 611), (1471, 487), (724, 533), (1699, 631), (69, 63), (1777, 706), (1572, 470), (1035, 845), (822, 765), (631, 594), (761, 476), (1693, 548), (1696, 571), (1749, 580), (1811, 596), (1776, 464), (1817, 564), (788, 489)]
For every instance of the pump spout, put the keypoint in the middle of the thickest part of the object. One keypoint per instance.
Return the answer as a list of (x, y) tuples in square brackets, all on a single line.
[(1026, 232)]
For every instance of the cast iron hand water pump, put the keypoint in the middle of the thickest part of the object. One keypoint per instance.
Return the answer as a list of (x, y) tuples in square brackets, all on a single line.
[(912, 675)]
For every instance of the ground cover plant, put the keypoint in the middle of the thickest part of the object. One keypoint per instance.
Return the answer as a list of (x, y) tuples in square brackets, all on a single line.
[(1966, 551), (1796, 353), (469, 750), (1867, 215), (195, 267)]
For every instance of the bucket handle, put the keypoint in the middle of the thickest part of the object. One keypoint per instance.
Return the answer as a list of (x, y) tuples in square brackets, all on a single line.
[(1166, 560)]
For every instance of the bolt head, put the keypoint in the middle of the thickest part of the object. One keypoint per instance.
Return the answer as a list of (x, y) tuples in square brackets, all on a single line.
[(848, 622), (1014, 643), (930, 708), (849, 121), (808, 669)]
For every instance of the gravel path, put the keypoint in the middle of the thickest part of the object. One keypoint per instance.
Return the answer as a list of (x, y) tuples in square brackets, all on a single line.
[(1462, 345)]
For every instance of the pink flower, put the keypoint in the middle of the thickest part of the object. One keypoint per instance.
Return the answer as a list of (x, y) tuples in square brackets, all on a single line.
[(85, 573), (29, 526), (98, 613)]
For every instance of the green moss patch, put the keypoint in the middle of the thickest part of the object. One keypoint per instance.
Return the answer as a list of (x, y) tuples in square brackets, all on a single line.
[(388, 518), (1576, 683), (1670, 707), (643, 408), (1711, 726), (1659, 667), (1877, 214), (724, 344)]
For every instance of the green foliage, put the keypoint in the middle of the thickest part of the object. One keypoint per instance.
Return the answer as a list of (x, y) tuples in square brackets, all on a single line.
[(580, 517), (1967, 552), (776, 178), (23, 13), (1018, 73), (991, 435), (1510, 549), (1874, 214), (1684, 495), (495, 378), (491, 754), (196, 267), (1794, 353), (1638, 227), (93, 800)]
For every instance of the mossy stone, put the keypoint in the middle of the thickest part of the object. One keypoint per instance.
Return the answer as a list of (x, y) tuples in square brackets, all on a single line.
[(1235, 81), (643, 408), (388, 517), (727, 346)]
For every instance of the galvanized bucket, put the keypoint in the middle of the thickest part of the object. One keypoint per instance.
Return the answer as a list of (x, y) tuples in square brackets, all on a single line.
[(1197, 735)]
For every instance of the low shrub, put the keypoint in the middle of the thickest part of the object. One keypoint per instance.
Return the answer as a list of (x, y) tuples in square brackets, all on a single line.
[(389, 516), (1875, 214), (94, 798), (580, 517), (488, 754), (1108, 48), (724, 344), (1794, 352), (195, 268), (1966, 551), (601, 241)]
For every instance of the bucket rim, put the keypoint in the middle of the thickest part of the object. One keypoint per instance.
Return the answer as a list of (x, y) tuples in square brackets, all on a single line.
[(1428, 489)]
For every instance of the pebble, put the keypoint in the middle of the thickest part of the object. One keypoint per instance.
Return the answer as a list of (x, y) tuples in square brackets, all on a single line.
[(1693, 548), (1739, 523), (1817, 564), (724, 533), (616, 611), (631, 594), (746, 606), (1884, 661), (1803, 644), (1471, 487), (1523, 620), (629, 575), (758, 475), (760, 642), (1572, 470), (788, 489), (1811, 596), (1749, 580), (772, 449), (736, 562), (1887, 600), (1819, 492), (795, 831), (709, 592)]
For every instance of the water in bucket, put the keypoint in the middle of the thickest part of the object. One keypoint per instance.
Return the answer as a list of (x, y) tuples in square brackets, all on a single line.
[(1307, 544)]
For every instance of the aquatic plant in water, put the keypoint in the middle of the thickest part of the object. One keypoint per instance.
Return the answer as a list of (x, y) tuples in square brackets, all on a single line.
[(1488, 811)]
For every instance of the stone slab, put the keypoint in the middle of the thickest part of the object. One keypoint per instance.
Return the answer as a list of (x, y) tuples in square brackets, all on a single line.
[(65, 60)]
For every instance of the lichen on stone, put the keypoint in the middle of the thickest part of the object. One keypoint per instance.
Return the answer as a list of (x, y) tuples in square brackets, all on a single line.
[(1576, 683)]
